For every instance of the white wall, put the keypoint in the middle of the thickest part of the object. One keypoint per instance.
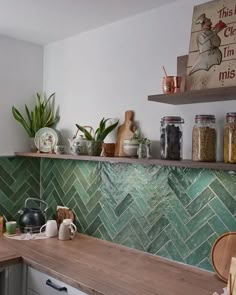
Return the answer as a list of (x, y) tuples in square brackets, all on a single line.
[(21, 75), (114, 68)]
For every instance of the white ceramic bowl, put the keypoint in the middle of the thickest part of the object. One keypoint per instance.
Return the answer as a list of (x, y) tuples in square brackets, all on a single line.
[(130, 148)]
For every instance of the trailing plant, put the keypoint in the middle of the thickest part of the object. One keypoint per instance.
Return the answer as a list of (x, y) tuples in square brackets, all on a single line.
[(101, 132), (138, 137), (42, 115)]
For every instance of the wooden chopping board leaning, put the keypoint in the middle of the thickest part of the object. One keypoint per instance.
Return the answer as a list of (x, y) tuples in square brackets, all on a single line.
[(125, 131)]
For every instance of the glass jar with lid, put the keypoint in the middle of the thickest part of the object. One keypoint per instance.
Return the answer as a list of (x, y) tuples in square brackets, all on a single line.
[(230, 138), (204, 139), (171, 138)]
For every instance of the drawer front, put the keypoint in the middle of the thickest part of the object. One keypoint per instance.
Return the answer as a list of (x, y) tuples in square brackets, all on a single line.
[(43, 284)]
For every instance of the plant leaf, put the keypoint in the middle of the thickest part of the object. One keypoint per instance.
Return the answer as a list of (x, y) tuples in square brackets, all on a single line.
[(87, 134)]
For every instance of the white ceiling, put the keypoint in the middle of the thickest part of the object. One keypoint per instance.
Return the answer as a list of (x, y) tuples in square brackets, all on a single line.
[(45, 21)]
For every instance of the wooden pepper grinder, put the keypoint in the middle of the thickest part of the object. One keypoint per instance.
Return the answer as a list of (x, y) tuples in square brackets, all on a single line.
[(125, 131)]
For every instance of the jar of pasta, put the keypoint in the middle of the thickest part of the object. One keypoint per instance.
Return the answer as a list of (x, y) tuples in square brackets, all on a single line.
[(204, 139), (230, 138)]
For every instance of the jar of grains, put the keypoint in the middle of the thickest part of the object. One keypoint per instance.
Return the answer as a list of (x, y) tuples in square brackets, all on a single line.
[(230, 138), (204, 139), (171, 138)]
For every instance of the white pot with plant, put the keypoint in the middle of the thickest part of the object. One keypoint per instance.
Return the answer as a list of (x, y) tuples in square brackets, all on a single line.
[(42, 115)]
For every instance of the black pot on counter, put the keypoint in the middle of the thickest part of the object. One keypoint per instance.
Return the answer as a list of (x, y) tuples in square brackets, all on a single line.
[(31, 219)]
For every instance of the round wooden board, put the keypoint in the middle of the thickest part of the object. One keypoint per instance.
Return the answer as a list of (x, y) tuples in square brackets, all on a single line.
[(222, 251)]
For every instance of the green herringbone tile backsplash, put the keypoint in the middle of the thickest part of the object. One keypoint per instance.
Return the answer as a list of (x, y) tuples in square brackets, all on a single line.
[(19, 179), (173, 212)]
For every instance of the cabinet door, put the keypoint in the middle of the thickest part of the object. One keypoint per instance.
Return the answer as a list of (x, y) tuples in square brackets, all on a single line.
[(43, 284)]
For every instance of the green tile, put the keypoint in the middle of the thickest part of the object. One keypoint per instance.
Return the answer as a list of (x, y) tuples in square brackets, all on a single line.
[(158, 243), (228, 180), (163, 253), (5, 188), (94, 200), (69, 183), (199, 254), (104, 233), (206, 264), (80, 203), (143, 238), (199, 237), (6, 176), (94, 213), (200, 201), (123, 220), (181, 229), (156, 212), (174, 254), (179, 192), (133, 242), (157, 227), (79, 174), (217, 225), (82, 219), (213, 238), (223, 214), (94, 226), (200, 219), (224, 196), (204, 179), (123, 205), (123, 234), (177, 240), (106, 222)]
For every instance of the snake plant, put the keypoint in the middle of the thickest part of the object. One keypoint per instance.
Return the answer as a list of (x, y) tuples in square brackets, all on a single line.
[(101, 132), (42, 115)]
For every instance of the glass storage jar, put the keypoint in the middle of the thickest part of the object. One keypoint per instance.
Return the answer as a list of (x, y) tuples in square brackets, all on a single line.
[(204, 139), (171, 137), (230, 138)]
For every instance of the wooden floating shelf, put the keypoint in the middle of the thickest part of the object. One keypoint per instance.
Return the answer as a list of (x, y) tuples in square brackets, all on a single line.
[(196, 96), (183, 163)]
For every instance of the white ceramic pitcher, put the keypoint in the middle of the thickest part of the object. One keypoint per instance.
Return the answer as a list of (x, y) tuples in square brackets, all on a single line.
[(67, 230)]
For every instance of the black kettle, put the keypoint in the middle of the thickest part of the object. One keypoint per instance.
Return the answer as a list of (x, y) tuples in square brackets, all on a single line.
[(31, 219)]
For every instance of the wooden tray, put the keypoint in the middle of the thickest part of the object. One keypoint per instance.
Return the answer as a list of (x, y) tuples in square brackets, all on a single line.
[(222, 252)]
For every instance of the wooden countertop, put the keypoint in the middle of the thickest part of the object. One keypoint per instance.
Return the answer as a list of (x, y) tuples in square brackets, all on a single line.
[(8, 256), (99, 267)]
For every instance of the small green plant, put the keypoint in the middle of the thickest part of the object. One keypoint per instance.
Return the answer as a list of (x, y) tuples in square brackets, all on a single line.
[(42, 115), (138, 137), (101, 132)]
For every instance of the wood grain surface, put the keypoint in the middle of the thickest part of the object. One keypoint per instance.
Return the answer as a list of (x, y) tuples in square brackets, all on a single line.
[(222, 252), (100, 267), (125, 131)]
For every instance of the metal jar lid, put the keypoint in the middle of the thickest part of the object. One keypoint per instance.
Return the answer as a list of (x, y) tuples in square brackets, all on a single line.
[(172, 120), (207, 118)]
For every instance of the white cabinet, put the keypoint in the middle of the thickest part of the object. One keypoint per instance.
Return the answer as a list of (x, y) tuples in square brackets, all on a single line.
[(39, 283)]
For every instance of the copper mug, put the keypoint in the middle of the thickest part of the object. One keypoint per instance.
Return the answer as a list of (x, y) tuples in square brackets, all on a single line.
[(171, 84)]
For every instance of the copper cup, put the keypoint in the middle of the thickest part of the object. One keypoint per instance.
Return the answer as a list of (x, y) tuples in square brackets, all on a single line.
[(177, 83), (168, 85)]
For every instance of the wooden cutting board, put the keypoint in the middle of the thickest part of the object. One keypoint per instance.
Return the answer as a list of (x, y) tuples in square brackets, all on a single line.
[(125, 131), (222, 252), (232, 278)]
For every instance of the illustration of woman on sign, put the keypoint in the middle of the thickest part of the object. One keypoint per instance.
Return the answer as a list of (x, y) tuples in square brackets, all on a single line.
[(208, 43)]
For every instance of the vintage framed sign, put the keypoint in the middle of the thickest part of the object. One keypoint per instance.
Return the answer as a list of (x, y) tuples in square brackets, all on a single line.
[(212, 50)]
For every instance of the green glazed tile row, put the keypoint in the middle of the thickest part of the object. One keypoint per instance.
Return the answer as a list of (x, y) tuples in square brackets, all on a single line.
[(19, 179), (172, 212)]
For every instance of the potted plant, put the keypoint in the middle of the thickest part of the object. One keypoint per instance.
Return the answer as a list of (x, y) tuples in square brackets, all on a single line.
[(95, 139), (42, 115)]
